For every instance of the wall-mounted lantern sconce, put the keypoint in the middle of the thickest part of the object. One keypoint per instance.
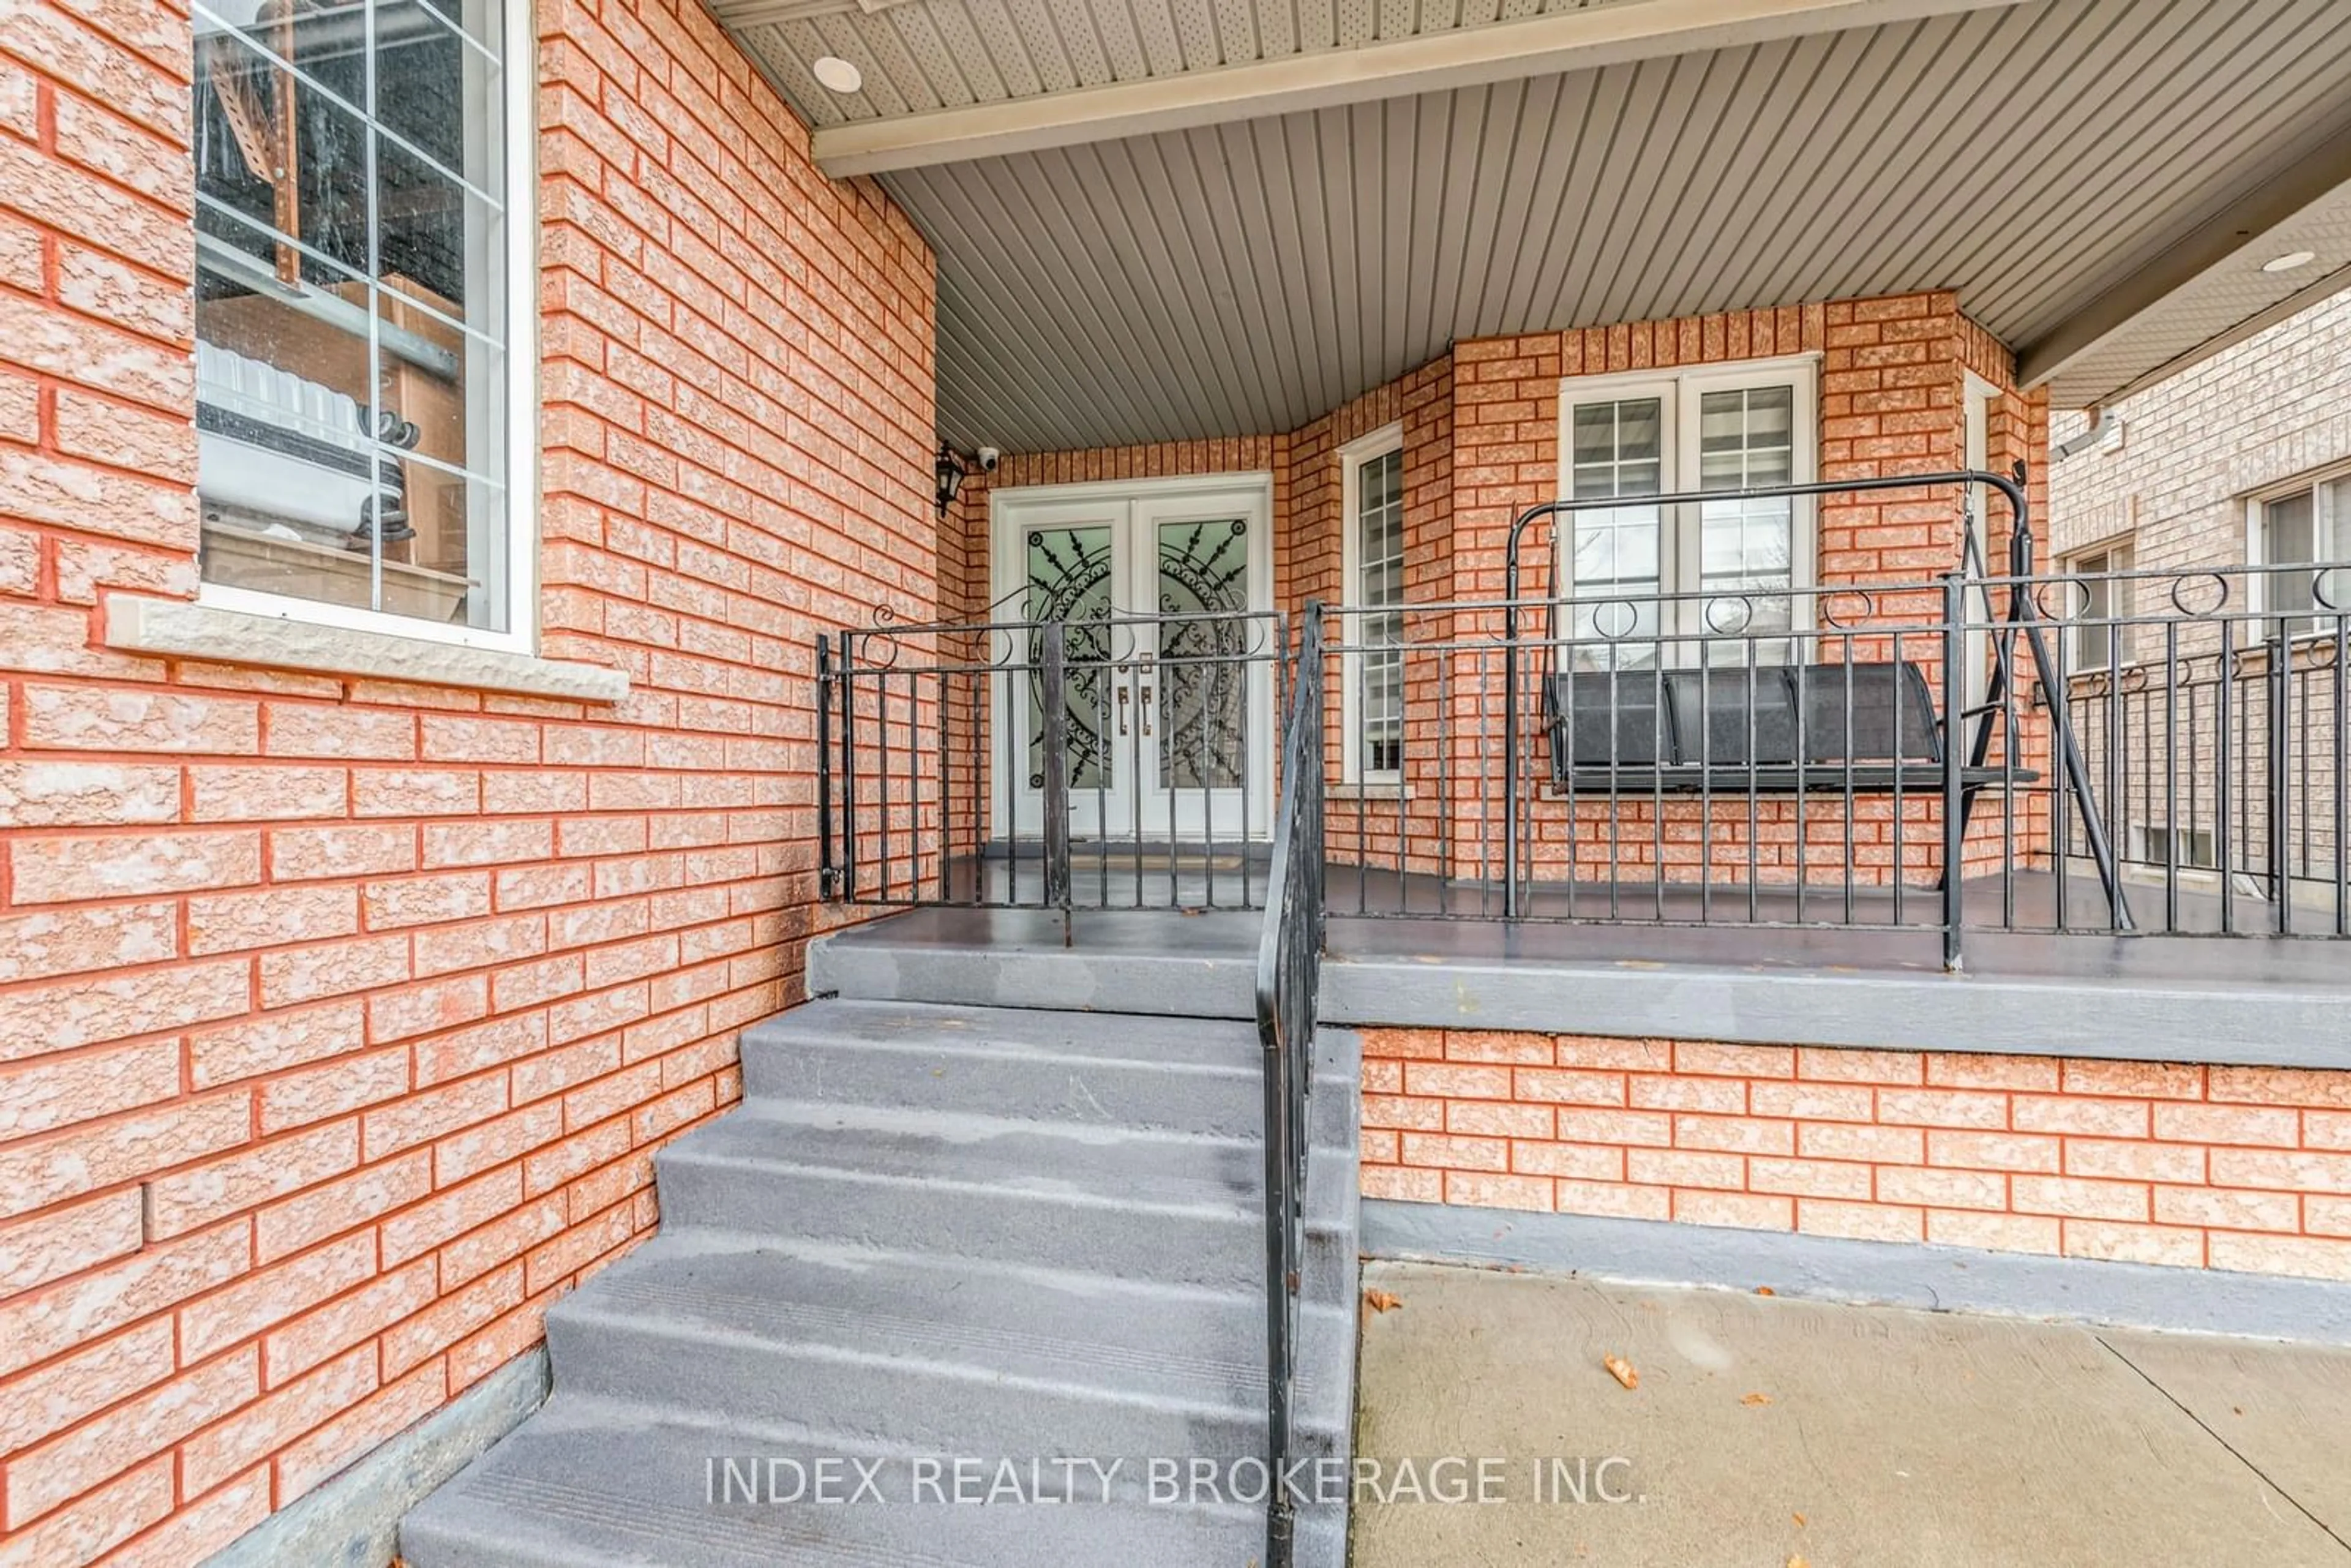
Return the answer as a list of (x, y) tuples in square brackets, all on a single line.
[(950, 470)]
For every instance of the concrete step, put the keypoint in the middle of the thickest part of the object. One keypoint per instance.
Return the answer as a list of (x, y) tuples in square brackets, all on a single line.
[(942, 1354), (589, 1483), (1108, 1201), (1188, 1075), (1129, 965), (934, 1231)]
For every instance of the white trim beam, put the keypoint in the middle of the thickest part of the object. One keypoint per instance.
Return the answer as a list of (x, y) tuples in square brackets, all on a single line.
[(1603, 34), (2241, 230)]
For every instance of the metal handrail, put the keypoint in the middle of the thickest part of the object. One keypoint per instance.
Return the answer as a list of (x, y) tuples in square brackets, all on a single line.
[(1722, 770), (1289, 982), (925, 766)]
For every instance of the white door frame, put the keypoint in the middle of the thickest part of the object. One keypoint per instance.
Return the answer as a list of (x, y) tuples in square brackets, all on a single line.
[(1130, 507)]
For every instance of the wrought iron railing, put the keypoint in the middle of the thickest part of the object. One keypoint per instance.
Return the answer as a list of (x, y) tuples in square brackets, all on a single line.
[(1113, 762), (2213, 708), (1879, 758), (1288, 985)]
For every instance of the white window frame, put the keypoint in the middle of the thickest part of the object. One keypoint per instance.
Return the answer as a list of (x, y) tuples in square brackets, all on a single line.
[(1351, 457), (1977, 396), (2330, 532), (2077, 659), (2148, 847), (518, 58), (1680, 542)]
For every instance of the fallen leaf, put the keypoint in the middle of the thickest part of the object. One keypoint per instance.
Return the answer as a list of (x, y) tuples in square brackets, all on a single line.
[(1621, 1370), (1381, 1301), (1765, 1291), (1756, 1399)]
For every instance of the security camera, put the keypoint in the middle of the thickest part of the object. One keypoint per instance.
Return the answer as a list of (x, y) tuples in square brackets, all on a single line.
[(988, 458)]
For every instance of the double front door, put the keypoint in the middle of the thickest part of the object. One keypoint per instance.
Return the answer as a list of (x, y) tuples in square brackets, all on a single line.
[(1165, 590)]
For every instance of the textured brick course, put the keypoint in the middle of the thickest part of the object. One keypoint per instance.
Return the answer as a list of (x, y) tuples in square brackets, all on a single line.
[(1853, 1147), (339, 1018)]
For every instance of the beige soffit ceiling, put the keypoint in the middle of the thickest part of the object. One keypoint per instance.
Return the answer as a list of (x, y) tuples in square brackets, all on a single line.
[(2099, 179)]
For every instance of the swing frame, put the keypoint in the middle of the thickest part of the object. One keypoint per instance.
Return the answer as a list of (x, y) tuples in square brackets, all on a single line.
[(1963, 771)]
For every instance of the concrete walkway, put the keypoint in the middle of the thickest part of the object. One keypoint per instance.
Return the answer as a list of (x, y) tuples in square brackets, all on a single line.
[(1767, 1432)]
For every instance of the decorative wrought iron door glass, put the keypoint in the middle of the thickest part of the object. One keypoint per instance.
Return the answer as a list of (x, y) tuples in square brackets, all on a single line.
[(1071, 578), (1203, 568)]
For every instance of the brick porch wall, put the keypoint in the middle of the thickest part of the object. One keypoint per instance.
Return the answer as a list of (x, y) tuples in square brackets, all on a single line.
[(1891, 376), (338, 1020), (1481, 445), (2238, 1168)]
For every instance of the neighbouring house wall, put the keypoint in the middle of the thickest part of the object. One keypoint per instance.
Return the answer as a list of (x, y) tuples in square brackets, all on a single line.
[(2173, 485), (338, 1018), (2172, 488), (2239, 1168)]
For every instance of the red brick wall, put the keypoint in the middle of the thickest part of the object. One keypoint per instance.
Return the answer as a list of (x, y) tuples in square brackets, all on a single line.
[(2223, 1167), (338, 1018), (965, 587), (1890, 383), (1481, 445)]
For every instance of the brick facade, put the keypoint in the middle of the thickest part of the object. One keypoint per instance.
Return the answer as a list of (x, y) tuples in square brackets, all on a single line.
[(2236, 1168), (1481, 445), (1891, 380), (338, 1018)]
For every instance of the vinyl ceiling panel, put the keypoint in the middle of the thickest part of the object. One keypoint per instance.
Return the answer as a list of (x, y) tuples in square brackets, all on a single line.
[(919, 55), (1249, 276)]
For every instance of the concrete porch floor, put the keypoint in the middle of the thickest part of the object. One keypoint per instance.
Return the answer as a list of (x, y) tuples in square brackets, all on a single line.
[(1930, 1441)]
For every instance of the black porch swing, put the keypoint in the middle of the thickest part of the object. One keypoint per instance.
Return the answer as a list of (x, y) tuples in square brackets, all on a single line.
[(1856, 726)]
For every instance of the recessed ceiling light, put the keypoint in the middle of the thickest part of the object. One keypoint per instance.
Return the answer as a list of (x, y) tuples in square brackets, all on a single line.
[(2290, 260), (838, 75)]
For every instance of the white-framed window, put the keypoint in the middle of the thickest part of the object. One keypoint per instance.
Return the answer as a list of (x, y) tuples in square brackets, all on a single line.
[(1733, 563), (1372, 558), (2308, 524), (2094, 600), (365, 397), (2157, 843)]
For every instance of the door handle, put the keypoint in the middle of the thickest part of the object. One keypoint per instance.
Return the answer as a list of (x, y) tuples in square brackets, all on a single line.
[(1122, 710), (1146, 706)]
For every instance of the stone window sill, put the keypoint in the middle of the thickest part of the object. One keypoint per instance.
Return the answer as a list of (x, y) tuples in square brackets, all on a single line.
[(175, 629)]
